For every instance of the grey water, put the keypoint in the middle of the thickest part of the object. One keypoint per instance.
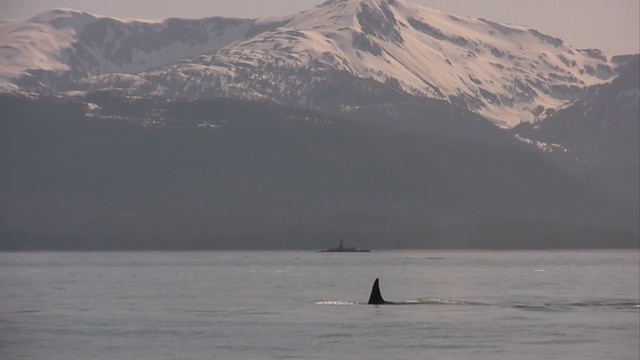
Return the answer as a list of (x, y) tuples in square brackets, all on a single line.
[(306, 305)]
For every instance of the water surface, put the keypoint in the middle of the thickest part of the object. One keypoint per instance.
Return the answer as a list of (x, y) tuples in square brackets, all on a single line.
[(305, 305)]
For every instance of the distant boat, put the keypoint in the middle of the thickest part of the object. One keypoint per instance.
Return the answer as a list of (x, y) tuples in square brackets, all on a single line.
[(341, 249)]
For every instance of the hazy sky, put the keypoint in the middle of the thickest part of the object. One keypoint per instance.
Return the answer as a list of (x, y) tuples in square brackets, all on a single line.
[(612, 25)]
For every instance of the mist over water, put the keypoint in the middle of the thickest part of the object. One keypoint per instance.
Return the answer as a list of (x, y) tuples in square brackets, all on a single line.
[(305, 305)]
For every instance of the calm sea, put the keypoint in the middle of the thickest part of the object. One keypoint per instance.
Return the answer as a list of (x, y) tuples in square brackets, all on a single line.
[(306, 305)]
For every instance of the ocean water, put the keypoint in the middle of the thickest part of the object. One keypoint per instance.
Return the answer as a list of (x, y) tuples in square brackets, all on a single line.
[(306, 305)]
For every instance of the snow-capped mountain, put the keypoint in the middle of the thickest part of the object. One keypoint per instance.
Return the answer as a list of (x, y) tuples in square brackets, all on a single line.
[(506, 73), (62, 45)]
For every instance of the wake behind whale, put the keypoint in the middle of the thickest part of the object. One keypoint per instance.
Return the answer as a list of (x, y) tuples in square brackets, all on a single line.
[(375, 298)]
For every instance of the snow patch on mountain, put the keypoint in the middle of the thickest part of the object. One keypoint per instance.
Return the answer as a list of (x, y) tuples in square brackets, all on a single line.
[(63, 45)]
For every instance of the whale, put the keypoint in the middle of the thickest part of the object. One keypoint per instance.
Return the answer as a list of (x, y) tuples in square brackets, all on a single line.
[(376, 297)]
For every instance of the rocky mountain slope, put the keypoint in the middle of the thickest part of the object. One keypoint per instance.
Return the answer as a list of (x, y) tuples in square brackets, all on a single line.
[(506, 73), (598, 135)]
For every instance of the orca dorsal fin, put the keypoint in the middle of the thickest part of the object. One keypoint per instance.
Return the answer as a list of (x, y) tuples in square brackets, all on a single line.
[(376, 298)]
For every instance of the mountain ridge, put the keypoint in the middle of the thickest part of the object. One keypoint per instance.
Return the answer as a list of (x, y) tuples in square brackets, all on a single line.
[(506, 73), (62, 45)]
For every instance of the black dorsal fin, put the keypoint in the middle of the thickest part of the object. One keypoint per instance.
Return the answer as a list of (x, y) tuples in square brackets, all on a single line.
[(376, 297)]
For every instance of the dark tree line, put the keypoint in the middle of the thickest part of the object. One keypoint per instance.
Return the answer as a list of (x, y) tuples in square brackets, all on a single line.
[(135, 173)]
